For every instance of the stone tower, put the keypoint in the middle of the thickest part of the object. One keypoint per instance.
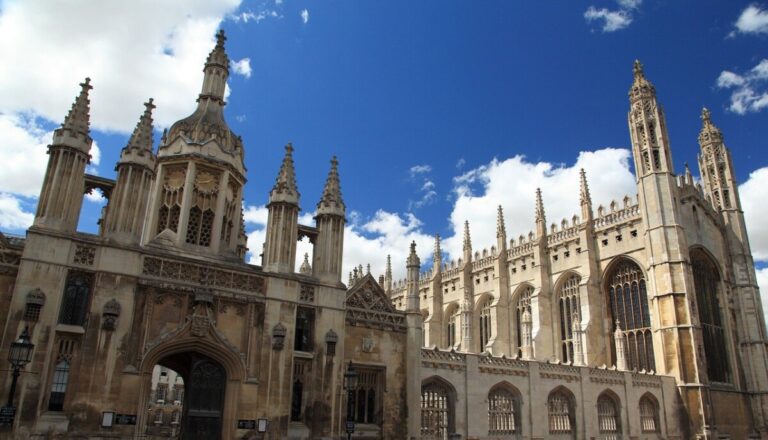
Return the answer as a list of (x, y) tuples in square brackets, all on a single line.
[(69, 153), (135, 175), (330, 228), (675, 347), (197, 198), (282, 222)]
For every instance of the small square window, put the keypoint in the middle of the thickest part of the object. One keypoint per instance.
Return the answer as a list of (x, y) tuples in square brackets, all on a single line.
[(32, 312)]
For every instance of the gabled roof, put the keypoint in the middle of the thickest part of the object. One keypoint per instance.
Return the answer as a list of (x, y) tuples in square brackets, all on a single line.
[(369, 306)]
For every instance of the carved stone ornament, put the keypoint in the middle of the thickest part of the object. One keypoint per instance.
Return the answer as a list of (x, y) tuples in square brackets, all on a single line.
[(84, 255), (109, 315), (36, 296), (368, 345), (278, 336), (331, 338), (199, 325)]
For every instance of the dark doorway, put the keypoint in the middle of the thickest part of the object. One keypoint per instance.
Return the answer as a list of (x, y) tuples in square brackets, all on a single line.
[(204, 385)]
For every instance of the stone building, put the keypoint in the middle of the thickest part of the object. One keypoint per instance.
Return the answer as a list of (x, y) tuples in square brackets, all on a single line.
[(639, 320)]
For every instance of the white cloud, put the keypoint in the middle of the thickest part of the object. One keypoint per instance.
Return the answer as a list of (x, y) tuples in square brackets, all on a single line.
[(12, 214), (420, 169), (613, 20), (762, 283), (258, 17), (749, 90), (460, 163), (304, 16), (23, 150), (752, 194), (242, 67), (164, 60), (753, 20), (512, 183), (426, 191)]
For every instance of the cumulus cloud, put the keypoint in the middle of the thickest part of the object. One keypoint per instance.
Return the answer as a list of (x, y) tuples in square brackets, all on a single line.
[(164, 60), (304, 16), (762, 283), (512, 184), (256, 16), (23, 147), (13, 215), (419, 169), (242, 67), (613, 20), (749, 90), (753, 20), (420, 174), (752, 194)]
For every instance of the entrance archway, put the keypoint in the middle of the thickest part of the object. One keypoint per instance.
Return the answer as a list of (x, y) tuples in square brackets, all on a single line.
[(205, 382)]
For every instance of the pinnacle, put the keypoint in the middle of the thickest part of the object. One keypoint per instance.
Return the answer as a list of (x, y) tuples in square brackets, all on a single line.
[(305, 268), (413, 259), (285, 189), (388, 271), (467, 238), (709, 131), (540, 216), (141, 139), (78, 118), (586, 199), (218, 55), (438, 252), (500, 229), (641, 87), (331, 198), (637, 69)]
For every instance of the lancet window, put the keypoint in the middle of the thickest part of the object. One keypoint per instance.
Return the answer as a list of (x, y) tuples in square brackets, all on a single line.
[(485, 323), (76, 298), (367, 400), (60, 377), (707, 284), (608, 418), (649, 415), (629, 307), (561, 414), (569, 306), (201, 213), (171, 198), (436, 411), (453, 317), (502, 412), (523, 305)]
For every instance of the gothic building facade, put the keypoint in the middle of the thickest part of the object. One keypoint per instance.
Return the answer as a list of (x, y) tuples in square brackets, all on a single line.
[(639, 320)]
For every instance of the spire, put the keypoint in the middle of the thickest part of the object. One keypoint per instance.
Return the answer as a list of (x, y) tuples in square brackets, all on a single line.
[(437, 256), (412, 295), (388, 276), (77, 122), (501, 231), (641, 87), (467, 243), (285, 189), (586, 198), (413, 259), (305, 268), (540, 216), (688, 175), (141, 139), (331, 202), (709, 133), (388, 272), (216, 72)]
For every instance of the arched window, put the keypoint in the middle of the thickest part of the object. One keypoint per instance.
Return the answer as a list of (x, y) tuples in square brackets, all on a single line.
[(485, 323), (436, 411), (561, 413), (629, 306), (706, 281), (568, 296), (523, 304), (201, 214), (502, 412), (649, 415), (76, 298), (59, 386), (608, 420), (451, 330), (170, 199)]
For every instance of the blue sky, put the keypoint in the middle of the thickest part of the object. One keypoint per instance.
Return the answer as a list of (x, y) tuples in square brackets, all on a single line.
[(436, 109)]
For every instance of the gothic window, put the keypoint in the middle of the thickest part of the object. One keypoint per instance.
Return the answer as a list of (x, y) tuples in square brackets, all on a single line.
[(561, 413), (451, 330), (523, 305), (629, 306), (485, 323), (568, 295), (178, 393), (502, 412), (175, 417), (76, 298), (300, 370), (59, 386), (608, 417), (649, 417), (161, 393), (170, 199), (706, 281), (305, 323), (201, 213), (159, 417), (436, 411), (366, 404), (656, 159)]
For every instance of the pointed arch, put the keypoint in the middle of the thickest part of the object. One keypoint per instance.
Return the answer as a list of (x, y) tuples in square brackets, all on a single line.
[(438, 407), (569, 306), (561, 409), (504, 402), (625, 288), (609, 414), (710, 301), (649, 413), (484, 319), (451, 314), (521, 300)]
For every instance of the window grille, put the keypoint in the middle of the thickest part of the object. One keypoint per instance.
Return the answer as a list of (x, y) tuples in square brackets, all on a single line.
[(569, 305), (436, 411), (76, 298), (706, 281), (629, 306), (170, 199), (59, 386), (561, 420), (648, 415), (367, 401), (485, 324), (608, 418), (32, 312), (523, 304), (502, 412)]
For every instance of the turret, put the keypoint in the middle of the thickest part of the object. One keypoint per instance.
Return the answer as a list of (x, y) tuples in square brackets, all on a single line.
[(541, 218), (585, 198), (437, 256), (282, 220), (330, 228), (716, 166), (388, 276), (412, 267), (62, 194), (501, 232), (135, 174), (648, 128)]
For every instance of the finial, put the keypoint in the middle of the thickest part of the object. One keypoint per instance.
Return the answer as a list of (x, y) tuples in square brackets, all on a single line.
[(637, 69), (618, 326), (467, 238), (706, 115), (285, 189), (220, 38), (305, 268), (164, 137), (539, 206), (586, 199), (413, 259), (368, 269), (142, 138), (389, 266), (78, 118), (501, 231), (438, 252), (331, 201)]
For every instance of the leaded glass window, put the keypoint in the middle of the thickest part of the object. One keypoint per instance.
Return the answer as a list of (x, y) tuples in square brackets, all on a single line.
[(608, 418), (436, 411), (568, 296), (628, 299), (59, 386), (561, 414), (367, 400), (451, 330), (523, 305), (485, 323), (502, 412), (707, 283), (76, 298)]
